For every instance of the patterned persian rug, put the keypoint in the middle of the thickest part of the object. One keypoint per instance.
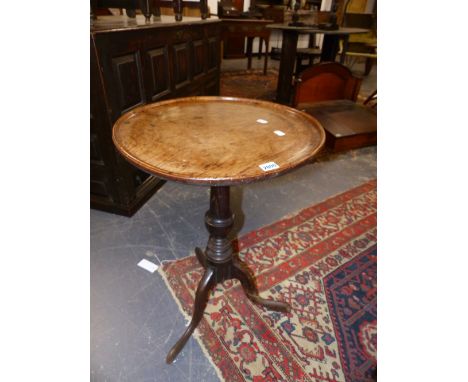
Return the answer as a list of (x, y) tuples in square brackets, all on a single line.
[(249, 84), (323, 262)]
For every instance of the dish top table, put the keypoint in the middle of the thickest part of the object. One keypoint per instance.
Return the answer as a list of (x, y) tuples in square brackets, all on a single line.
[(218, 142), (290, 34)]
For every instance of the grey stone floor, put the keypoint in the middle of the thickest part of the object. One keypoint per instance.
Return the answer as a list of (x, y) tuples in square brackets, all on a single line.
[(134, 320)]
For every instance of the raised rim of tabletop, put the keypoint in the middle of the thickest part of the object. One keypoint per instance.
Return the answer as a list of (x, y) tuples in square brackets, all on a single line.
[(226, 181)]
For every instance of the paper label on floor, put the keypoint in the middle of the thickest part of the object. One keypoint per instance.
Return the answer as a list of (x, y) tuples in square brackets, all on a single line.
[(268, 166), (148, 265)]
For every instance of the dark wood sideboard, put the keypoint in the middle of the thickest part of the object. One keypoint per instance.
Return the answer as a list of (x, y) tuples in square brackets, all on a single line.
[(134, 63)]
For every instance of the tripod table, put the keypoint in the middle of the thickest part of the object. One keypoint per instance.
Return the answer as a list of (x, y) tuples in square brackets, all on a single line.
[(218, 142)]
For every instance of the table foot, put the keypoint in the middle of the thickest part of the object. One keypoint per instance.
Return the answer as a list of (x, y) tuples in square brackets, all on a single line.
[(201, 297), (248, 284)]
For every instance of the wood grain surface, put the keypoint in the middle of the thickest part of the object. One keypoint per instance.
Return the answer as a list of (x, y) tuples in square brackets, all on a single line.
[(343, 117), (314, 29), (347, 125), (217, 140)]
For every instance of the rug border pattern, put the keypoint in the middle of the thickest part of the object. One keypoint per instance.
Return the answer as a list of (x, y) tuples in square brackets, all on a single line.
[(256, 237)]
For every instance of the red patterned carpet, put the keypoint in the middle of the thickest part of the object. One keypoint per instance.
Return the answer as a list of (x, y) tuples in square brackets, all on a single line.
[(323, 262)]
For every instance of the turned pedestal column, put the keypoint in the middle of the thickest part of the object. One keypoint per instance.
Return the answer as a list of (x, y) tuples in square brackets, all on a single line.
[(220, 265)]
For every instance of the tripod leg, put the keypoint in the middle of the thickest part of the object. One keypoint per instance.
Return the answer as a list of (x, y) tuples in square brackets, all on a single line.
[(201, 257), (250, 289), (201, 297)]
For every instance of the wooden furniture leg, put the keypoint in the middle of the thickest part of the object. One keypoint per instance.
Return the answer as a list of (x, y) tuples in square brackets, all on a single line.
[(249, 52), (260, 48), (220, 264), (201, 297), (330, 47), (288, 58), (267, 48), (369, 64), (204, 9), (248, 284), (178, 8), (344, 49)]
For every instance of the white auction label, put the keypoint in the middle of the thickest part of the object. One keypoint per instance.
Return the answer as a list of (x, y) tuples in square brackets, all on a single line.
[(268, 166), (148, 265)]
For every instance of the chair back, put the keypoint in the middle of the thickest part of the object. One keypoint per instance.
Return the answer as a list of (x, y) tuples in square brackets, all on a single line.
[(326, 81)]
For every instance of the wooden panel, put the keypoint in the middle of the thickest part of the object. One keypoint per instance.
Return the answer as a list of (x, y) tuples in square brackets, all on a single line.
[(181, 65), (348, 125), (101, 148), (353, 142), (95, 151), (234, 47), (326, 81), (98, 187), (101, 186), (127, 73), (160, 73), (198, 58), (134, 66), (275, 13), (213, 59)]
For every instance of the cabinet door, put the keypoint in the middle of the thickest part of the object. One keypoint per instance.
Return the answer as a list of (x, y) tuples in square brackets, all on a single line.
[(121, 64), (158, 72), (136, 67)]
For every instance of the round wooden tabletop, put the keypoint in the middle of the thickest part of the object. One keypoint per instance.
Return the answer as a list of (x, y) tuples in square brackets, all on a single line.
[(217, 141)]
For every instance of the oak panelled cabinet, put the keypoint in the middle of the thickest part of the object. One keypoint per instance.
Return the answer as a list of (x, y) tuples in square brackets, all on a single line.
[(132, 64)]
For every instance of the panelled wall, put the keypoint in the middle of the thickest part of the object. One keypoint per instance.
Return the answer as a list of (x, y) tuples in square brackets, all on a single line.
[(132, 65)]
